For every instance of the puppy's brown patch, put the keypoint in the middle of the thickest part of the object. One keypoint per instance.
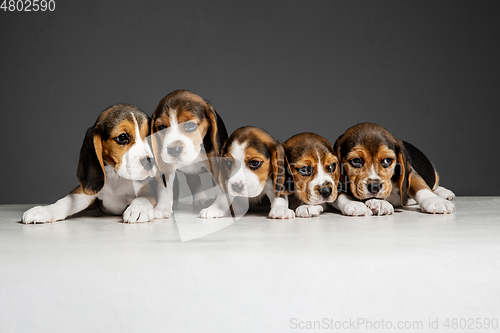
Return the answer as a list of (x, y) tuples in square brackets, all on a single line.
[(112, 151), (265, 170)]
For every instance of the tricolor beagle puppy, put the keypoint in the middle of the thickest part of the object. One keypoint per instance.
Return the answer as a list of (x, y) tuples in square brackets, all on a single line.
[(116, 163), (382, 171), (312, 174), (252, 166), (187, 135)]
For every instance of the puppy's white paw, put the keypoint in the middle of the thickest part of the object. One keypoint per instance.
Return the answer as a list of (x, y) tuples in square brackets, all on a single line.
[(281, 213), (41, 214), (444, 193), (201, 200), (379, 207), (138, 213), (356, 208), (437, 205), (203, 203), (162, 212), (411, 202), (308, 210), (213, 212)]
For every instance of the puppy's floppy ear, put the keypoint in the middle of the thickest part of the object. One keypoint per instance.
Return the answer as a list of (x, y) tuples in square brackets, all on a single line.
[(156, 145), (90, 170), (278, 166), (402, 171), (342, 178), (223, 175), (337, 167), (156, 138), (337, 144), (211, 140), (214, 139)]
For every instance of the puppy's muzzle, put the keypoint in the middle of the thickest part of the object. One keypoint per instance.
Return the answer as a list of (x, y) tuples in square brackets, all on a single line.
[(325, 191), (374, 187), (147, 163), (238, 187), (175, 149)]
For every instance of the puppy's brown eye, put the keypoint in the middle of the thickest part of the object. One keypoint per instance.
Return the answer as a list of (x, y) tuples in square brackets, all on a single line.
[(229, 164), (357, 162), (161, 127), (331, 167), (190, 126), (122, 139), (254, 164), (386, 162), (305, 171)]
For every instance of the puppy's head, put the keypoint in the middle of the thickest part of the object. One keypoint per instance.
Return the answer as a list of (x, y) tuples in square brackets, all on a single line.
[(183, 125), (118, 138), (251, 158), (313, 168), (372, 160)]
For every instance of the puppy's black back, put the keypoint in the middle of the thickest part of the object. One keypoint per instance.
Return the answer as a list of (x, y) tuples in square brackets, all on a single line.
[(421, 164)]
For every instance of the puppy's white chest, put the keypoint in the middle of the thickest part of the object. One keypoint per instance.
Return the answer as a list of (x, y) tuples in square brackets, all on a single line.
[(117, 192)]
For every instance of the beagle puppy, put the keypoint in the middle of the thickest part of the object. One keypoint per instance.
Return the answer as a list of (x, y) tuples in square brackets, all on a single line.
[(312, 173), (116, 163), (187, 135), (382, 171), (252, 166)]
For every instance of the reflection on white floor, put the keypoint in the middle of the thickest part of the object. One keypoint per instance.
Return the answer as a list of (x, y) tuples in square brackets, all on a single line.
[(92, 273), (191, 227)]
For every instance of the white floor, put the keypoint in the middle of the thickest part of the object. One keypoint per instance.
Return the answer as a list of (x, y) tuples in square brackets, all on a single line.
[(94, 274)]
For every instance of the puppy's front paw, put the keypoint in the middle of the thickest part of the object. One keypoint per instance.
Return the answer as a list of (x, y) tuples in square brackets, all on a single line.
[(203, 203), (379, 207), (356, 208), (281, 213), (138, 213), (40, 214), (162, 212), (437, 205), (308, 210), (444, 193), (212, 213)]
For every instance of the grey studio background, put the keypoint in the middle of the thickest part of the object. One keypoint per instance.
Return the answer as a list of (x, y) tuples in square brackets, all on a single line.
[(426, 70)]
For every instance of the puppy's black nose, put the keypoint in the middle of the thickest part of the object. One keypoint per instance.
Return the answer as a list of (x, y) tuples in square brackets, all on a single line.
[(238, 187), (325, 191), (175, 150), (147, 163), (374, 187)]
